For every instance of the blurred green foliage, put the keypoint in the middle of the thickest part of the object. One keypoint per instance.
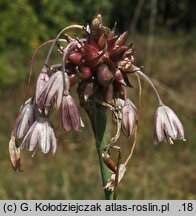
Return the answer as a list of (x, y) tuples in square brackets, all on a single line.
[(155, 172), (27, 23)]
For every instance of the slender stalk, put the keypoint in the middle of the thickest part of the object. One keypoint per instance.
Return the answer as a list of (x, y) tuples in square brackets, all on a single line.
[(102, 139), (57, 37), (32, 62), (152, 85)]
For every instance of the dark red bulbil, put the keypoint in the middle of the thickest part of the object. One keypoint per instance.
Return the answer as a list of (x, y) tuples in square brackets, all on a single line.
[(75, 58), (86, 73)]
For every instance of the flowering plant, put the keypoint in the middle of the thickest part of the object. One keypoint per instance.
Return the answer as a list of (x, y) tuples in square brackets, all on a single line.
[(100, 64)]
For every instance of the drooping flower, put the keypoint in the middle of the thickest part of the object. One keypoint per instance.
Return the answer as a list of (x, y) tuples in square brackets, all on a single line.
[(70, 117), (167, 126), (40, 134), (25, 119), (14, 154), (129, 117), (52, 91), (41, 81)]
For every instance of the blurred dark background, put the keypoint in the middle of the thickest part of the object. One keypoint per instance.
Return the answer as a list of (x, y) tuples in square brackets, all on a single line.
[(163, 33)]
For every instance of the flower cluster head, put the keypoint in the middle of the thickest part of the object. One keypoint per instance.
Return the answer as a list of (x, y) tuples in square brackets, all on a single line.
[(100, 63)]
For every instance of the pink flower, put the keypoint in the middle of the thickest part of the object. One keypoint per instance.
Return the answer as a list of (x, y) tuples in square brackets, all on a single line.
[(52, 91), (40, 134), (129, 117), (167, 126), (41, 82), (70, 117), (25, 119)]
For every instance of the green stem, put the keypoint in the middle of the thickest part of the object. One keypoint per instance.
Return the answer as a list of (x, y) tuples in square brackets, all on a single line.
[(102, 139)]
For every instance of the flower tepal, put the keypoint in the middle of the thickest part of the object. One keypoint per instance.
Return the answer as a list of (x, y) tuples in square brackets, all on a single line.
[(40, 134), (70, 117), (25, 119), (52, 91), (168, 127), (41, 82), (129, 116)]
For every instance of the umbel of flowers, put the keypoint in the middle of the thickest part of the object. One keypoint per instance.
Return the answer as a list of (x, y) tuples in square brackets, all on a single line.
[(101, 64)]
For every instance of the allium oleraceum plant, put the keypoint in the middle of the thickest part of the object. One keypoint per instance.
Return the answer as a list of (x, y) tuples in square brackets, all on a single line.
[(100, 64)]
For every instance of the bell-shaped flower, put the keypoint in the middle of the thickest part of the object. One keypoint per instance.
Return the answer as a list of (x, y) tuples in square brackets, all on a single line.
[(40, 134), (25, 119), (167, 126), (129, 117), (41, 82), (14, 154), (52, 91), (70, 117)]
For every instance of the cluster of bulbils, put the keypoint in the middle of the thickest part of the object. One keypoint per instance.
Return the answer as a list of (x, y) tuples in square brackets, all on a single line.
[(100, 63)]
